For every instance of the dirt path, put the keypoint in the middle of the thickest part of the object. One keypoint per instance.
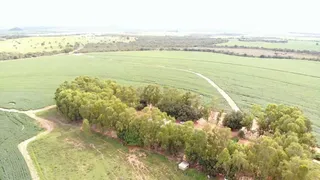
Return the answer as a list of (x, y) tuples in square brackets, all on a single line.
[(231, 103), (49, 126)]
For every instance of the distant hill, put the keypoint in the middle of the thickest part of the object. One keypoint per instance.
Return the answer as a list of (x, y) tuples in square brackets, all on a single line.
[(16, 29)]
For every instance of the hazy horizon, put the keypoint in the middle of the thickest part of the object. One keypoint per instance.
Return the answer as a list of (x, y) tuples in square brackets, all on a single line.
[(226, 16)]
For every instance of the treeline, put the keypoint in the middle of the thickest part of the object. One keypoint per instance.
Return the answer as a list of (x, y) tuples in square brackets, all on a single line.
[(187, 43), (221, 51), (153, 43), (16, 55), (281, 152), (5, 37), (263, 40), (275, 49)]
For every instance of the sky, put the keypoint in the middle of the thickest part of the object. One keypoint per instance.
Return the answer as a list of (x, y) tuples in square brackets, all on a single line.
[(231, 15)]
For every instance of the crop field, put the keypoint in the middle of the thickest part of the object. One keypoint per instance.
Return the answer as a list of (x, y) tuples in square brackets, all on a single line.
[(14, 128), (67, 154), (292, 44), (30, 83), (48, 44)]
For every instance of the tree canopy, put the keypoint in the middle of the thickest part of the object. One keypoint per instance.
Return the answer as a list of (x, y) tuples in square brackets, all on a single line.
[(282, 151)]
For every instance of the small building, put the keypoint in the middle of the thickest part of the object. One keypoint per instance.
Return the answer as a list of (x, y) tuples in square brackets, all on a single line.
[(183, 165)]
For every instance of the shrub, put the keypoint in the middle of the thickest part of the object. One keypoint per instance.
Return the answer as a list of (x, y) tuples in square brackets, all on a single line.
[(241, 134), (86, 127), (233, 120), (316, 156)]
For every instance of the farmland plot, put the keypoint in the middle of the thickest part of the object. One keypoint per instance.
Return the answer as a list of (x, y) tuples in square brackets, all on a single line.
[(295, 45), (247, 80), (14, 128)]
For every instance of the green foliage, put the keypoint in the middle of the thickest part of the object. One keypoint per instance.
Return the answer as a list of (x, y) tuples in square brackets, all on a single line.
[(316, 156), (233, 120), (86, 128), (105, 104), (299, 169), (183, 106), (284, 119), (241, 134), (151, 94)]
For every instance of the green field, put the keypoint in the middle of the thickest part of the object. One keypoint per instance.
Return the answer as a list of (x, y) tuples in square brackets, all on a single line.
[(30, 83), (48, 44), (67, 154), (14, 128), (292, 44)]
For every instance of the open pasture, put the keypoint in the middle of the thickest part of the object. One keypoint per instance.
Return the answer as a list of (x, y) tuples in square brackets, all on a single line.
[(31, 83), (97, 157), (292, 44), (14, 128), (54, 43)]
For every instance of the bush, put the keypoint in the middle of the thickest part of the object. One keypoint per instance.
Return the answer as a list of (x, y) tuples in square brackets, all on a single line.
[(86, 127), (241, 134), (316, 156), (233, 120)]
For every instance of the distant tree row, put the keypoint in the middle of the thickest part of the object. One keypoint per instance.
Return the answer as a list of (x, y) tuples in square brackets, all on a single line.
[(188, 43), (154, 43), (259, 39), (283, 151), (16, 55), (222, 51)]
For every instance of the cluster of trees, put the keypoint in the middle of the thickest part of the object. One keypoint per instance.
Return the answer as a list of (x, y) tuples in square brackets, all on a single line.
[(183, 106), (281, 152), (234, 120), (154, 43)]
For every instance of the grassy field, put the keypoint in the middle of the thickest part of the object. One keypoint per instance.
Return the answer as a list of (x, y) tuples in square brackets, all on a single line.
[(30, 83), (14, 128), (292, 44), (48, 44), (67, 154)]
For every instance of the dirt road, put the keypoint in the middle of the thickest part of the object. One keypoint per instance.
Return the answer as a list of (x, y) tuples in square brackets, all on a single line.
[(231, 103), (49, 126)]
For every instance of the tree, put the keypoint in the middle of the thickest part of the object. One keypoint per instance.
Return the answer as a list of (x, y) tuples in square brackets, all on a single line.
[(239, 163), (195, 146), (265, 157), (224, 161), (241, 134), (299, 169), (151, 94), (233, 120), (284, 119), (86, 128), (184, 106)]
